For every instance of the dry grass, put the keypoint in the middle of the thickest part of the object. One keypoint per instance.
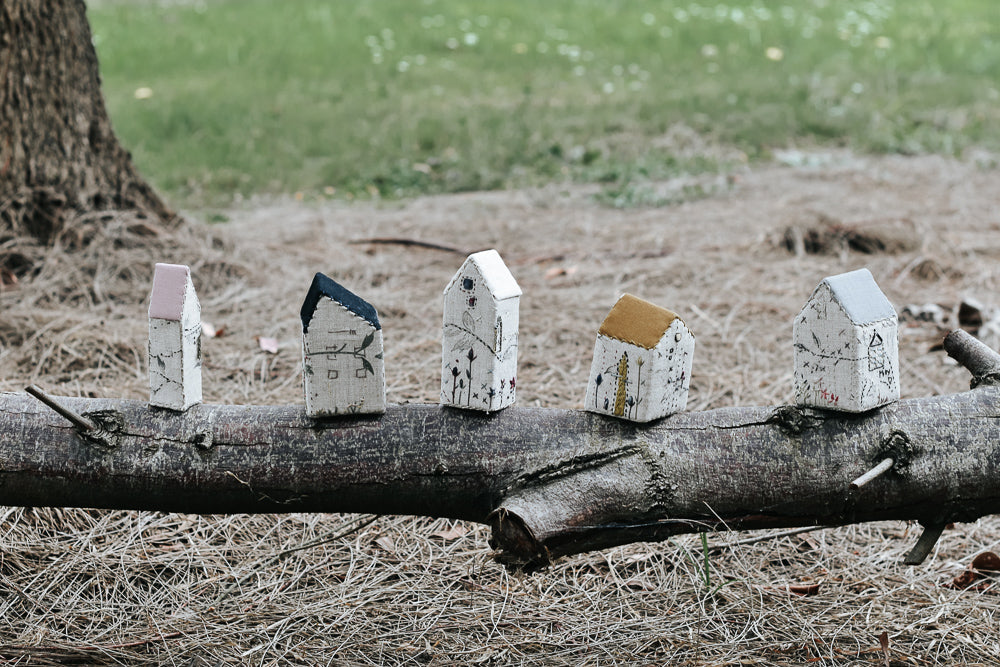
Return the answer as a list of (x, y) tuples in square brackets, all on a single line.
[(89, 587)]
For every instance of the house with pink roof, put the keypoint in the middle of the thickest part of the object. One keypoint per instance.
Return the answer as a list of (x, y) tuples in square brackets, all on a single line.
[(174, 339)]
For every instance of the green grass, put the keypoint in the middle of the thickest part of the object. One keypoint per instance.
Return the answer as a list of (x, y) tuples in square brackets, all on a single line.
[(397, 97)]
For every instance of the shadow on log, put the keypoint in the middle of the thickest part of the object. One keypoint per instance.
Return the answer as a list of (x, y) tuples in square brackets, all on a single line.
[(549, 482)]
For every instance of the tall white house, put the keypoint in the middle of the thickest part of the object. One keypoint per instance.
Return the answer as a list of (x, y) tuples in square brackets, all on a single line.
[(174, 339), (479, 335)]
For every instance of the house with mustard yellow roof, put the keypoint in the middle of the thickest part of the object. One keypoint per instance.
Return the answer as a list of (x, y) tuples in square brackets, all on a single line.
[(642, 362)]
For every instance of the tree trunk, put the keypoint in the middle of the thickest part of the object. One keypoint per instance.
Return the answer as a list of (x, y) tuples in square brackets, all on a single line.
[(58, 153), (550, 482)]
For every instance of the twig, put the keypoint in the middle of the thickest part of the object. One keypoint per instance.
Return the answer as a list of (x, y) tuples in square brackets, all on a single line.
[(143, 642), (80, 422), (339, 533), (924, 545), (879, 470), (342, 531), (978, 358), (771, 536), (409, 242), (80, 649)]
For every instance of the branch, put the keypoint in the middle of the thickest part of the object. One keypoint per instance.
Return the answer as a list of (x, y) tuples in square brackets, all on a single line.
[(550, 482), (975, 356)]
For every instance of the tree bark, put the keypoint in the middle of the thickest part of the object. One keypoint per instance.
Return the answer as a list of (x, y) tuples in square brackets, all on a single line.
[(58, 153), (550, 482)]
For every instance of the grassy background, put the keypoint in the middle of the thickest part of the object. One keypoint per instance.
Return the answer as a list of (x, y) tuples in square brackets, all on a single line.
[(218, 98)]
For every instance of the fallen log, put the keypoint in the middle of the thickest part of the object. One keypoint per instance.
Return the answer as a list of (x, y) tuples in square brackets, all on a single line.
[(549, 482)]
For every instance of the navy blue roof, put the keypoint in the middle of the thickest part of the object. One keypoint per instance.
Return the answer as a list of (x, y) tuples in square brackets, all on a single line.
[(323, 286)]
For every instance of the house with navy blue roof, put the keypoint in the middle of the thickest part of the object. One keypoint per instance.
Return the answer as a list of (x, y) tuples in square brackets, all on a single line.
[(342, 357)]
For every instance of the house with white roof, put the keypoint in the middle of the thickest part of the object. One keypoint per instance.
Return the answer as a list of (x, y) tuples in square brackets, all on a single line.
[(342, 357), (174, 339), (641, 369), (846, 346), (479, 335)]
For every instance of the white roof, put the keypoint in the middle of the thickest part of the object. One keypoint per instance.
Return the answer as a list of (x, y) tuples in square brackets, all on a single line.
[(497, 277), (860, 297)]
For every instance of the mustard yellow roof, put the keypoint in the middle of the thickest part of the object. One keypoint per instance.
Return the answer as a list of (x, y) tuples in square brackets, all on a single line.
[(636, 321)]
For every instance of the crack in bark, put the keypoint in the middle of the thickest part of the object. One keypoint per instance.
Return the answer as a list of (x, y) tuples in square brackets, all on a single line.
[(571, 466), (292, 498)]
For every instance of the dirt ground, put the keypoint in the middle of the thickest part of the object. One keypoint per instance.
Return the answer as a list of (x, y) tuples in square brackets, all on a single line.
[(111, 587)]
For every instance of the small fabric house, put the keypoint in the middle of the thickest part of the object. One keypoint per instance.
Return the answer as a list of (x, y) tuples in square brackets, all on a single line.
[(174, 339), (479, 337), (342, 366), (642, 362), (846, 350)]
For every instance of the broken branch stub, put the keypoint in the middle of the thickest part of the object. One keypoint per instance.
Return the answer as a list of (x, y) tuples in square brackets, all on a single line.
[(975, 356)]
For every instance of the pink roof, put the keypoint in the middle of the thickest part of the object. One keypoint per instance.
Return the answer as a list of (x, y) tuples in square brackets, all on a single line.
[(170, 283)]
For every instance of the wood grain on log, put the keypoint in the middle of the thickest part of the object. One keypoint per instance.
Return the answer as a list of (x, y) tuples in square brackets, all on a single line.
[(551, 482)]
